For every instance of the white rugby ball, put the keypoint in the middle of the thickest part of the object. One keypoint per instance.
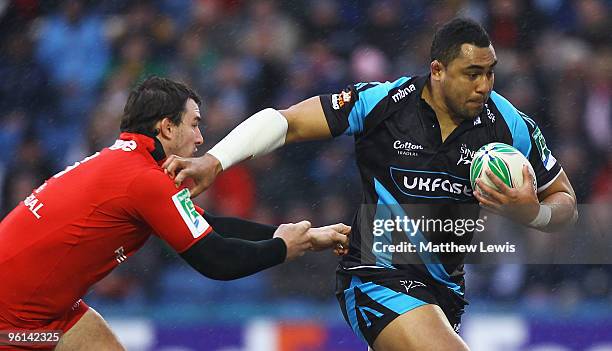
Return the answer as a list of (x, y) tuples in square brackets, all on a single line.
[(505, 161)]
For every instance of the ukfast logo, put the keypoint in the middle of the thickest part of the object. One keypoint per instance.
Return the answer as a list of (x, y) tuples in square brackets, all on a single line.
[(402, 93), (431, 185)]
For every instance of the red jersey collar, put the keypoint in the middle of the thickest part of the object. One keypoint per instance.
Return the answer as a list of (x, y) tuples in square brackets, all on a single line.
[(151, 144)]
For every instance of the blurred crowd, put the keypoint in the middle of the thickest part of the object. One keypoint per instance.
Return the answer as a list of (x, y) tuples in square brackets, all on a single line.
[(66, 68)]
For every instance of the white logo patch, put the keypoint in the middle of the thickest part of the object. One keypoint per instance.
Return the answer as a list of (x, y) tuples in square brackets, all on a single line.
[(409, 284), (125, 145), (406, 148), (465, 155), (339, 100), (402, 93), (195, 222), (120, 256), (490, 114)]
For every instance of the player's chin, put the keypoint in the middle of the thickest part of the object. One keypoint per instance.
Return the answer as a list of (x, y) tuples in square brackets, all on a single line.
[(187, 153), (473, 110)]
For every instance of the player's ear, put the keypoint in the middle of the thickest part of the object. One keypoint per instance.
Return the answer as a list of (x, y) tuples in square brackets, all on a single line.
[(436, 68), (165, 128)]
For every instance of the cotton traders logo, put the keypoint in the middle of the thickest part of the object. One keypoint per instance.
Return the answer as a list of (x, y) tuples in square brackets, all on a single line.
[(406, 148), (195, 222), (431, 185), (465, 155)]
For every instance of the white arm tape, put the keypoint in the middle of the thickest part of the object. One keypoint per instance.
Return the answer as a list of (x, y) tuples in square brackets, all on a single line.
[(259, 134), (543, 217)]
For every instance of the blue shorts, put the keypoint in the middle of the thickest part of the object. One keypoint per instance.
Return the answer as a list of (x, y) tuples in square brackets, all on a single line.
[(371, 298)]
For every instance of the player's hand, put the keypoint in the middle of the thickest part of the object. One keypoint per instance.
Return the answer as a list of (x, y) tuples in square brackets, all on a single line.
[(296, 237), (331, 236), (203, 170), (519, 204)]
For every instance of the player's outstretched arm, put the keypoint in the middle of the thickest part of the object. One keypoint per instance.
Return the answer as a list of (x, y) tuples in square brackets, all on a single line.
[(222, 258), (306, 121), (332, 236), (259, 134), (239, 228)]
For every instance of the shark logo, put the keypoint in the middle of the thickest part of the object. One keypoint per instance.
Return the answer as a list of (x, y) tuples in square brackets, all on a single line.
[(409, 284), (465, 155)]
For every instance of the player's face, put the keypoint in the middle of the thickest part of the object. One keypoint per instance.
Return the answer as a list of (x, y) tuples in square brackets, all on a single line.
[(188, 135), (467, 80)]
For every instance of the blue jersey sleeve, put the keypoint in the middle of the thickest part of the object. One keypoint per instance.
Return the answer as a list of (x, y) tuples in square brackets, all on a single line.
[(529, 140), (347, 110)]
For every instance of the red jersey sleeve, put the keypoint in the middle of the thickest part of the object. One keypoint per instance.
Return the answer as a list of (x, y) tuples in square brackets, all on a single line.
[(167, 210)]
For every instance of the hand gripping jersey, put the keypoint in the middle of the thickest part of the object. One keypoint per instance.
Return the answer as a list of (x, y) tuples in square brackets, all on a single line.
[(83, 222), (408, 172)]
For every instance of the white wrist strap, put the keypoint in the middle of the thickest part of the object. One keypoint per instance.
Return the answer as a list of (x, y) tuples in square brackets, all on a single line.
[(257, 135), (543, 217)]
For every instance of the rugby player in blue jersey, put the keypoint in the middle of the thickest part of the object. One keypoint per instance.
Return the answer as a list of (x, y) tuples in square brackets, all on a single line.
[(409, 135)]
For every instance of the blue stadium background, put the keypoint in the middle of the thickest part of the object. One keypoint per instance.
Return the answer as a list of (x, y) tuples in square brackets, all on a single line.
[(66, 68)]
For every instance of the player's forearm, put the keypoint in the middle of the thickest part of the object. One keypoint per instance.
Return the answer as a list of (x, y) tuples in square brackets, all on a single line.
[(222, 258), (232, 227), (270, 129), (563, 212), (259, 134)]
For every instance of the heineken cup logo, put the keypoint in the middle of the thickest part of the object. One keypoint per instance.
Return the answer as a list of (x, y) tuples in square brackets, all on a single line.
[(195, 222)]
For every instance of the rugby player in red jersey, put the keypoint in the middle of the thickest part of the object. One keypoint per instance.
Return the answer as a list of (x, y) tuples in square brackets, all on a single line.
[(86, 220)]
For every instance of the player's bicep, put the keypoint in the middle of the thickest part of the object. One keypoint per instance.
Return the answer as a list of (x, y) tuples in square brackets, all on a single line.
[(545, 165), (168, 211), (306, 121), (561, 184)]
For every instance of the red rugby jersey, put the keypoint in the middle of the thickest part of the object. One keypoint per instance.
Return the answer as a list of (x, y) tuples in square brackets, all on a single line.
[(83, 222)]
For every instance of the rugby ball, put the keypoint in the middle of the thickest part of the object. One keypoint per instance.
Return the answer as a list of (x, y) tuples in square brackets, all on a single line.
[(505, 161)]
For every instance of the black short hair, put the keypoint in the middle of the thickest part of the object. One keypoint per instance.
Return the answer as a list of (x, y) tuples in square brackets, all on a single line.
[(448, 39), (153, 100)]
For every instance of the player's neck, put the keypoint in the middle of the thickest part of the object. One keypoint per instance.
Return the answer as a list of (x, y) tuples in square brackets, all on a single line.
[(445, 120)]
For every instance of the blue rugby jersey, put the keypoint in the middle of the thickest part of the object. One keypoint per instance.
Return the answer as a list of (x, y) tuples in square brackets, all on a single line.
[(403, 161)]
